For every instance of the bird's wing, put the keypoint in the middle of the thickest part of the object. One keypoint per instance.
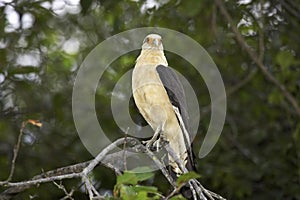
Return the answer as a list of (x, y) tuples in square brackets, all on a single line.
[(177, 97)]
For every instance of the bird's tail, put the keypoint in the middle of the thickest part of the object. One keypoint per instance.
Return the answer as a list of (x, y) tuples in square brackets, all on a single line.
[(188, 191)]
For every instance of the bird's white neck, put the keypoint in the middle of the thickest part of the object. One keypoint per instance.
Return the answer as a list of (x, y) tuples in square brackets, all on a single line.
[(152, 56)]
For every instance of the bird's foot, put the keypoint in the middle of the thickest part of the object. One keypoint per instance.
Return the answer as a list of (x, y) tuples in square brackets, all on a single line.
[(153, 145)]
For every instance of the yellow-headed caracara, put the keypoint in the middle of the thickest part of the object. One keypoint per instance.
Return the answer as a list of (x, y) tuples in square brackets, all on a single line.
[(160, 98)]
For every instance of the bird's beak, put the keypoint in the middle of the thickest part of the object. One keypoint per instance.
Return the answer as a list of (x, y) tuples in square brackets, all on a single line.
[(155, 42)]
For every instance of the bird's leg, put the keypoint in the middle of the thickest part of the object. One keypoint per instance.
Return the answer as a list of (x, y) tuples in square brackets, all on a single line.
[(158, 141), (154, 138)]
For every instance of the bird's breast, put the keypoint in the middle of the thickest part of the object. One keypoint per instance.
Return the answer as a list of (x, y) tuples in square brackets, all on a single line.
[(151, 57)]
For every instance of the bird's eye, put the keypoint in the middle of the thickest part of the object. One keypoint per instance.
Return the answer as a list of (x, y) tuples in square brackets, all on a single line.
[(146, 40)]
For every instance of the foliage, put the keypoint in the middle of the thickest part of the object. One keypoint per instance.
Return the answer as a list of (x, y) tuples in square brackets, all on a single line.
[(43, 43), (186, 177), (127, 187)]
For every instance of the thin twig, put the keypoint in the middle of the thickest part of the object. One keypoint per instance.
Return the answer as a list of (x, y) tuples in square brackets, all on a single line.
[(41, 180), (175, 191), (93, 193), (256, 59), (102, 154), (69, 195), (89, 186), (231, 137), (62, 187), (124, 150), (162, 167), (16, 151), (60, 171), (17, 146), (242, 83), (109, 165), (217, 196)]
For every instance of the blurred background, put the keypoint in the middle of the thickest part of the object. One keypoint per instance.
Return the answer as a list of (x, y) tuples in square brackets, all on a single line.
[(43, 43)]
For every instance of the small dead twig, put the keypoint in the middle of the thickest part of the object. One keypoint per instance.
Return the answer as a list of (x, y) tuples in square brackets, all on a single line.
[(175, 191), (17, 146), (41, 180), (162, 168), (62, 187), (124, 150), (102, 154), (84, 174), (93, 193)]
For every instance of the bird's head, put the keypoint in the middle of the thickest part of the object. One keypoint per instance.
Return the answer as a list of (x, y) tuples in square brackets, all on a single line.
[(153, 42)]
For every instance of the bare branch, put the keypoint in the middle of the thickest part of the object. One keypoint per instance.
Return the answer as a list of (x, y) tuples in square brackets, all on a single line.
[(62, 187), (16, 151), (93, 193), (41, 180), (242, 83), (17, 146), (124, 150), (74, 171), (82, 171), (175, 191), (84, 174), (103, 153), (161, 167)]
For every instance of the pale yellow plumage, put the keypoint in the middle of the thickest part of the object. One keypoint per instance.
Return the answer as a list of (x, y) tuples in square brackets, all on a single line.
[(152, 99)]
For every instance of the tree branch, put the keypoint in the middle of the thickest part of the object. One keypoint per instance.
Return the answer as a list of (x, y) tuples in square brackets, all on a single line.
[(73, 171), (17, 146), (82, 170), (255, 58), (196, 185)]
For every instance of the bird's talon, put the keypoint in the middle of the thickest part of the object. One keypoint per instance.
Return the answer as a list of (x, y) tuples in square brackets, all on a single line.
[(148, 146)]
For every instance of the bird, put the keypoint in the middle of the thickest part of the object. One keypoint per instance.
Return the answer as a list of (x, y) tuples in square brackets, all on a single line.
[(160, 98)]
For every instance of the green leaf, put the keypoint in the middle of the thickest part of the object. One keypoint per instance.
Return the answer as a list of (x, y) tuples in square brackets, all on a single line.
[(178, 197), (186, 177), (149, 189), (133, 178), (142, 195), (144, 176), (285, 59), (143, 173), (127, 193), (127, 178)]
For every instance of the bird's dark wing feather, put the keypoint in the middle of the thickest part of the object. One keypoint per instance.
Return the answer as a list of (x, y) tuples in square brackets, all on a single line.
[(174, 90), (176, 95)]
